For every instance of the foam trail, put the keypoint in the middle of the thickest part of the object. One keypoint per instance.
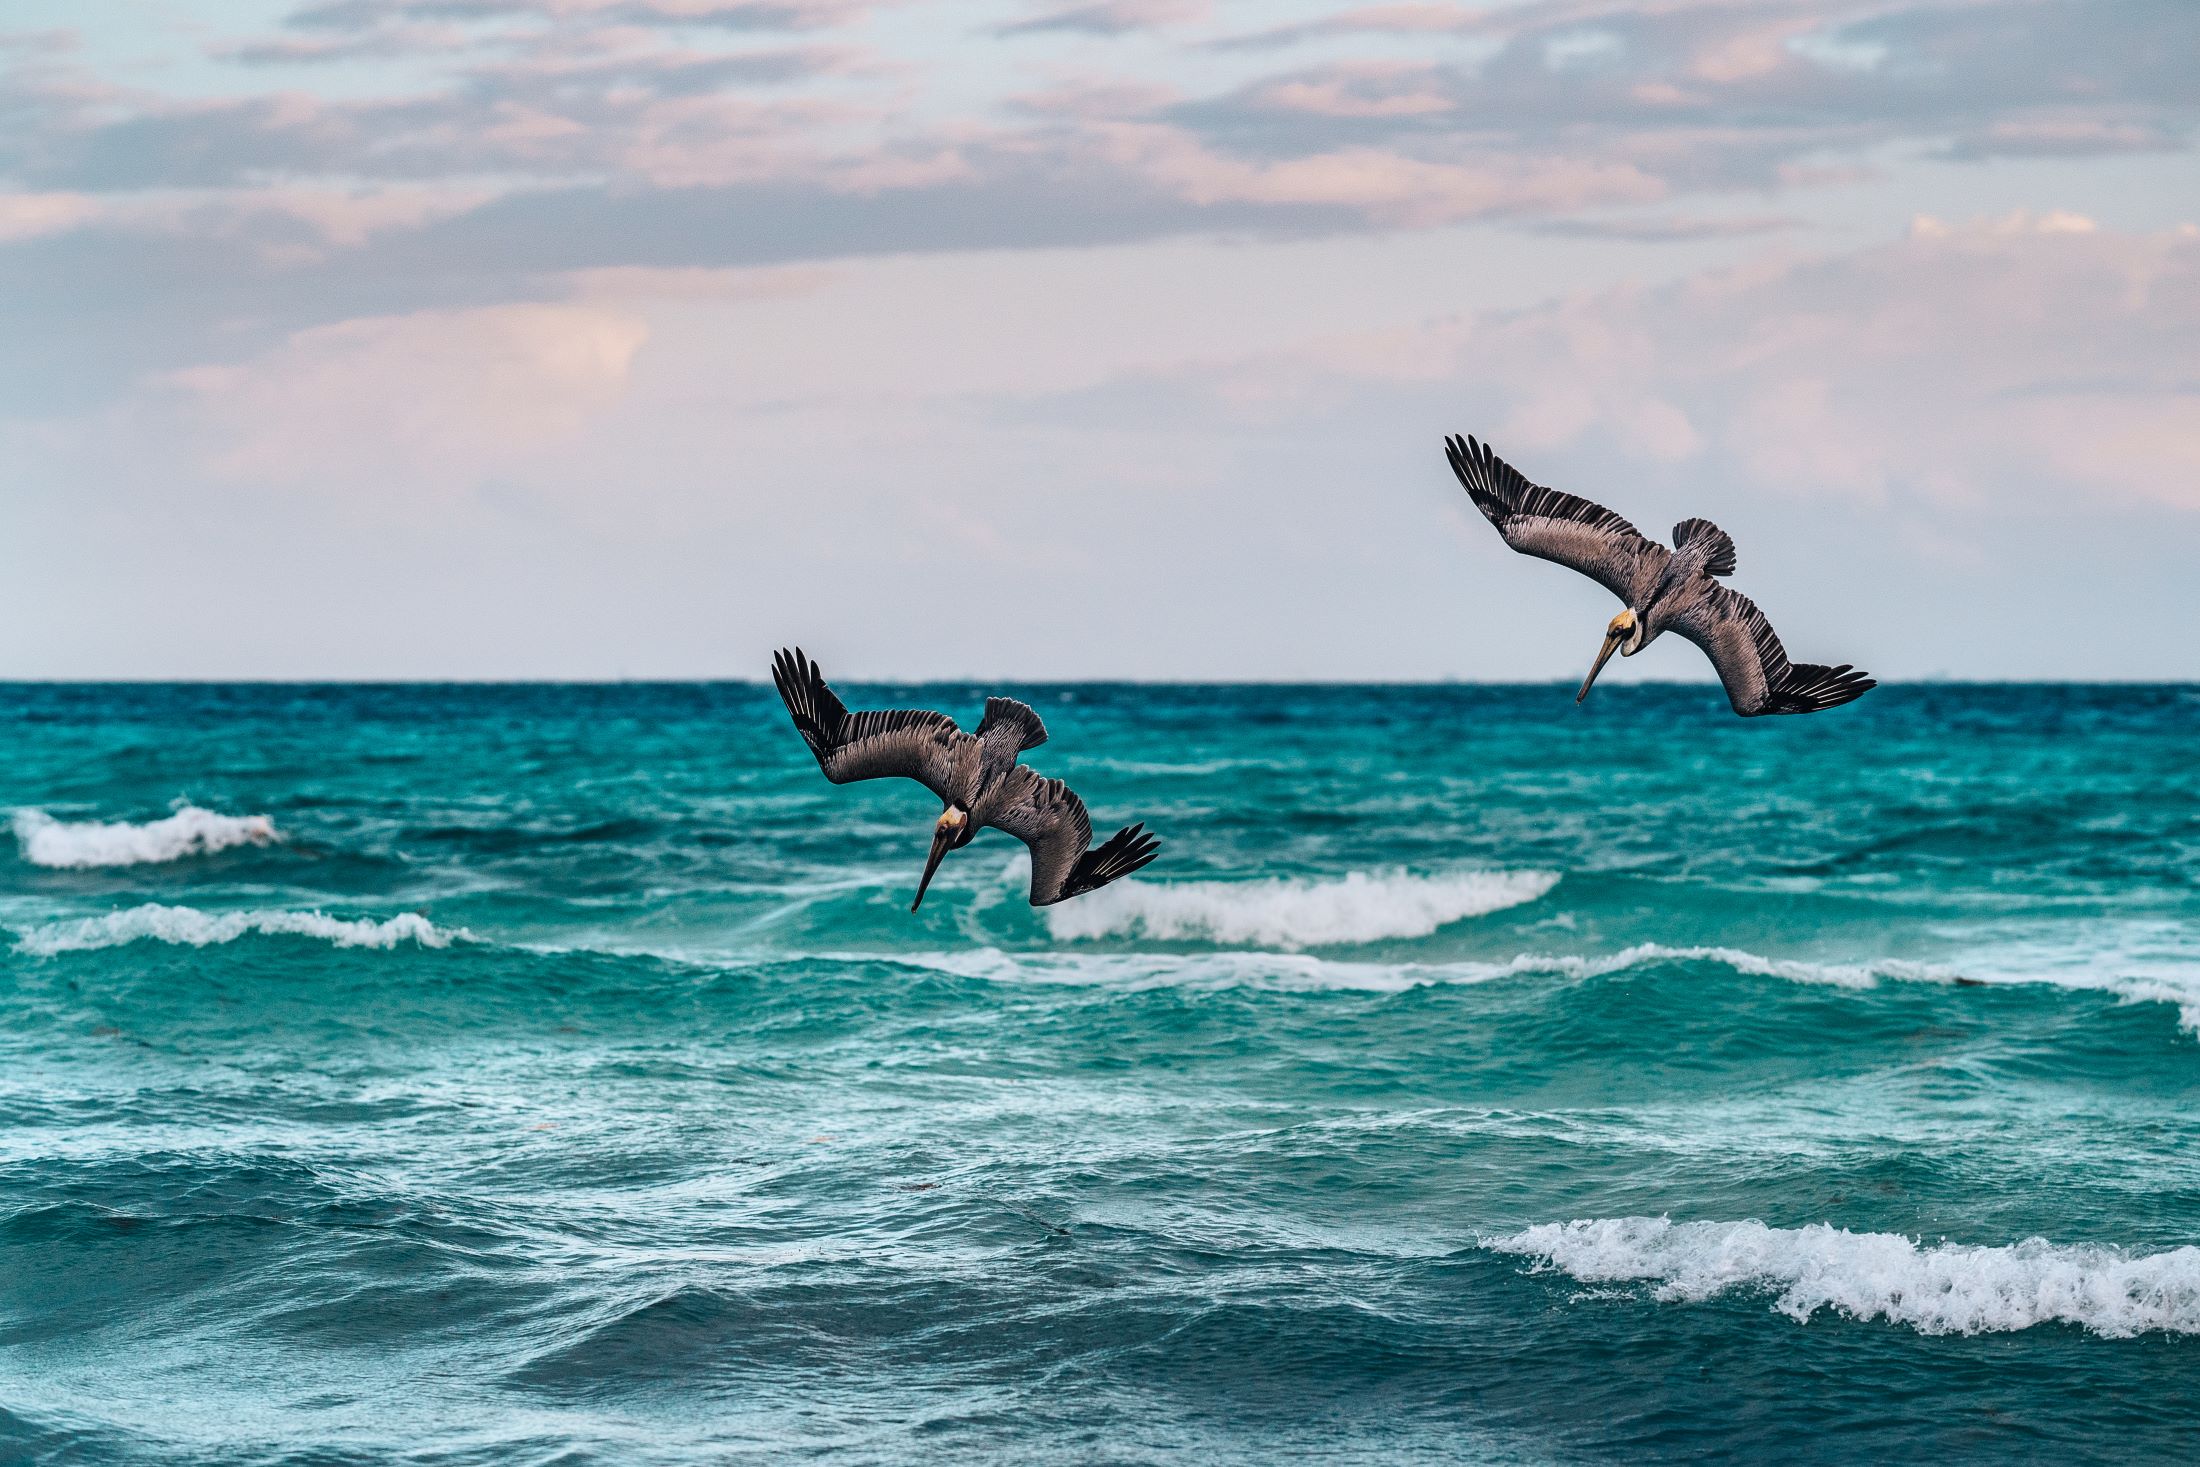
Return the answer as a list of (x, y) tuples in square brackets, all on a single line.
[(2160, 982), (1292, 913), (191, 831), (1950, 1288), (191, 927), (1755, 965)]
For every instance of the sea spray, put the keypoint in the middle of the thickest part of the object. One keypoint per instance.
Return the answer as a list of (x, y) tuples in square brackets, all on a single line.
[(1946, 1288), (191, 831), (191, 927)]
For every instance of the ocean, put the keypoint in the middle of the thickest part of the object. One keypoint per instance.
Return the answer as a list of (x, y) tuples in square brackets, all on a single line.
[(556, 1074)]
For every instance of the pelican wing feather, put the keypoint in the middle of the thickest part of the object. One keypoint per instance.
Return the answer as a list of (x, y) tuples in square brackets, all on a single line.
[(1046, 815), (907, 743), (1754, 667), (1576, 533)]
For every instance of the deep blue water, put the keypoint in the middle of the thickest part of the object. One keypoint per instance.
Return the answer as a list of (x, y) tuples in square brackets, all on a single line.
[(1475, 1078)]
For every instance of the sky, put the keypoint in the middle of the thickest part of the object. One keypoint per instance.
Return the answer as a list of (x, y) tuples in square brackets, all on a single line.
[(1058, 339)]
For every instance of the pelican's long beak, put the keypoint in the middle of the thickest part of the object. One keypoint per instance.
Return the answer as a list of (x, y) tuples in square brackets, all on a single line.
[(941, 835), (1612, 639)]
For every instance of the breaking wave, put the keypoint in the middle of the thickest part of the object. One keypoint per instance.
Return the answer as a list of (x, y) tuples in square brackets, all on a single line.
[(1253, 924), (191, 831), (1292, 913), (1949, 1288), (191, 927), (1303, 972), (1755, 965)]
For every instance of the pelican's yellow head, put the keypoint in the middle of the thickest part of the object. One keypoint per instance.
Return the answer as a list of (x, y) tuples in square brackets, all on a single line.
[(1626, 625), (952, 829), (1624, 635)]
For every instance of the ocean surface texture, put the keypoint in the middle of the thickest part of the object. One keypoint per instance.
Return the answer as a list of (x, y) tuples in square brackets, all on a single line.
[(557, 1075)]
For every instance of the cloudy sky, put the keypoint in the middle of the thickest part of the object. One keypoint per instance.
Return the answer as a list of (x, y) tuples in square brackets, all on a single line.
[(1067, 338)]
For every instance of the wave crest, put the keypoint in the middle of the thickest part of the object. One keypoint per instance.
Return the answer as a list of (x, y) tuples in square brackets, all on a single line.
[(191, 831), (1294, 912), (191, 927), (1950, 1288), (1754, 965)]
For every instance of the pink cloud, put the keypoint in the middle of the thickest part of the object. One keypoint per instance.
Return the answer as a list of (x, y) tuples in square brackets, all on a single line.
[(1360, 89), (394, 404), (1389, 187), (2017, 362), (35, 215), (1111, 17)]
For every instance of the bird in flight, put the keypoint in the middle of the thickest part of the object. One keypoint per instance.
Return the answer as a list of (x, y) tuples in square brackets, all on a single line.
[(1660, 589), (976, 777)]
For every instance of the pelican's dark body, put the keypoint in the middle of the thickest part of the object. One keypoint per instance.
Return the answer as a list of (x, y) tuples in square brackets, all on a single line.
[(1663, 590), (977, 777)]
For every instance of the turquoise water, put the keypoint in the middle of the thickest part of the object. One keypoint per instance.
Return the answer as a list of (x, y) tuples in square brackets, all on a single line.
[(541, 1074)]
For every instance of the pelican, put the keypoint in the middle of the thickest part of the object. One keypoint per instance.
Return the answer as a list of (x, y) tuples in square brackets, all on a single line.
[(976, 777), (1660, 589)]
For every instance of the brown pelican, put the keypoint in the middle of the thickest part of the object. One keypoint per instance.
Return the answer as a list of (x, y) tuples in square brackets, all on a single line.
[(1659, 589), (975, 775)]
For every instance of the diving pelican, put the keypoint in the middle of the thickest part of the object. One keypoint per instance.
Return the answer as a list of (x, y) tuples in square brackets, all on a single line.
[(1661, 590), (975, 775)]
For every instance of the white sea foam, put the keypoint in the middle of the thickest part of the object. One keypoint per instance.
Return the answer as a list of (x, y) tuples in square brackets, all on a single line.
[(1948, 1288), (2131, 980), (1305, 972), (191, 831), (1794, 970), (192, 927), (1131, 972), (1294, 912)]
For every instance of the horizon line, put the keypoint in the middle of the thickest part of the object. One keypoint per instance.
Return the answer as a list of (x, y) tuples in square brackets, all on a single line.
[(1029, 682)]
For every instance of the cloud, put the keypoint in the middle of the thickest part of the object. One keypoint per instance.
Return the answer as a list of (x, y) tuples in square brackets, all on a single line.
[(2021, 364), (1387, 187), (285, 225), (739, 15), (2070, 137), (1407, 19), (1668, 228), (1548, 108), (631, 476), (387, 406), (1109, 17), (1370, 89), (1728, 91), (32, 216), (493, 141)]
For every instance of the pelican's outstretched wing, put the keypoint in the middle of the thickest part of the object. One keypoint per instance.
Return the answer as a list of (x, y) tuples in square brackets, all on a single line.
[(1753, 665), (1046, 815), (912, 743), (1543, 522)]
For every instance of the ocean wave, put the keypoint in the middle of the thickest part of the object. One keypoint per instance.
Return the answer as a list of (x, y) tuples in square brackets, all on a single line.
[(1285, 971), (2175, 984), (1294, 912), (1136, 972), (1949, 1288), (1295, 972), (191, 927), (1754, 965), (191, 831)]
